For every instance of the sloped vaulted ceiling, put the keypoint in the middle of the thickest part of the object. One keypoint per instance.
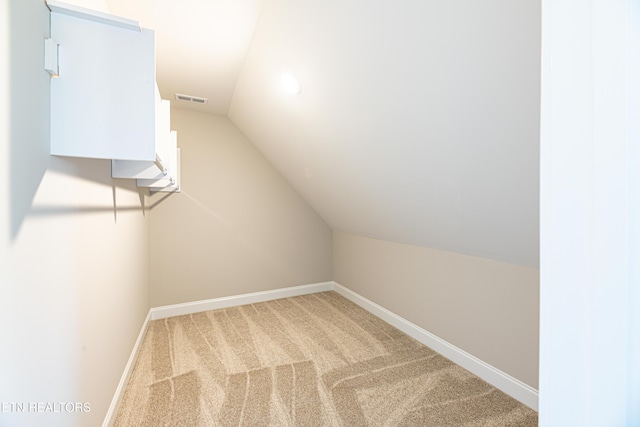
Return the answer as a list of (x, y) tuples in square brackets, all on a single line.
[(418, 120)]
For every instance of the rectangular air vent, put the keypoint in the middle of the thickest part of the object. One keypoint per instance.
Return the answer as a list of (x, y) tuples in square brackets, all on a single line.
[(189, 98)]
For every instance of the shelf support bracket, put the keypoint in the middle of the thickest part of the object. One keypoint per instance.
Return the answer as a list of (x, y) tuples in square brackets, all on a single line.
[(161, 165)]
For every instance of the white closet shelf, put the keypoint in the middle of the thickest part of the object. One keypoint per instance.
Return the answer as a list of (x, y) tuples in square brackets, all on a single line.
[(105, 103)]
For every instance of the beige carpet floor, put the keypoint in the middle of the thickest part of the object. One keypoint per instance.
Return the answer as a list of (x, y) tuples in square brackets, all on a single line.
[(312, 360)]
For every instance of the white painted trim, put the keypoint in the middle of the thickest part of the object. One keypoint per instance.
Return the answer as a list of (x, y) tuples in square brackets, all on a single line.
[(110, 418), (513, 387), (505, 382), (236, 300)]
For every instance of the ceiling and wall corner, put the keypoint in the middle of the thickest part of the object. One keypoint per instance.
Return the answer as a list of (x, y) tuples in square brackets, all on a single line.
[(417, 122), (200, 45)]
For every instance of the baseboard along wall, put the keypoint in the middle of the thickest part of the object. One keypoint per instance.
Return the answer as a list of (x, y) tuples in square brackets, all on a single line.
[(500, 380), (237, 300), (110, 418), (508, 384)]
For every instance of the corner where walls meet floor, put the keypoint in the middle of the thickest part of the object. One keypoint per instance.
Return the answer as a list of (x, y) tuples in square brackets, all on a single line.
[(511, 386)]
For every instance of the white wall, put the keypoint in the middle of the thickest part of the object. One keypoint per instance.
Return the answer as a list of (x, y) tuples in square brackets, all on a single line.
[(487, 308), (590, 214), (236, 227), (418, 121), (73, 249)]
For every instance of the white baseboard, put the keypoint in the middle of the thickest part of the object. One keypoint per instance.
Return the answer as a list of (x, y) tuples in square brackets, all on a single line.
[(110, 418), (195, 307), (236, 300), (511, 386)]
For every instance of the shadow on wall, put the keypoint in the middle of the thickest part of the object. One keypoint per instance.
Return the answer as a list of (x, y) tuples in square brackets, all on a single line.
[(30, 159), (29, 107)]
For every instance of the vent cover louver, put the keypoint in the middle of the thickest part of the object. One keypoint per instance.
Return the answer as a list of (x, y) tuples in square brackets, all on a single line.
[(189, 98)]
